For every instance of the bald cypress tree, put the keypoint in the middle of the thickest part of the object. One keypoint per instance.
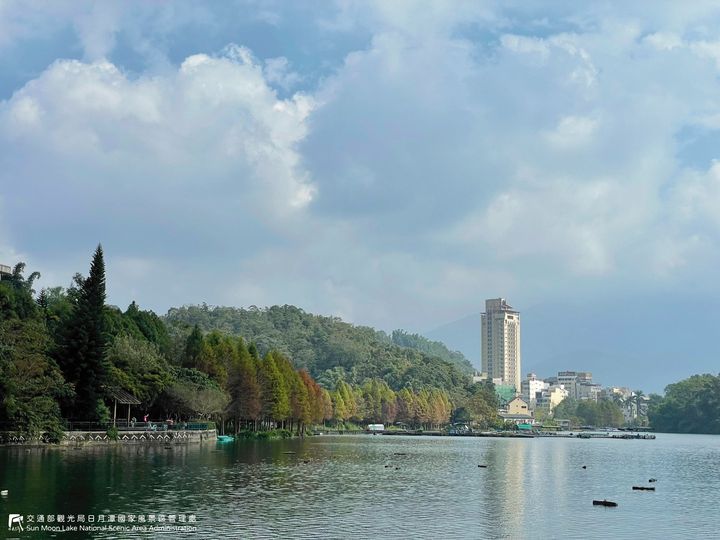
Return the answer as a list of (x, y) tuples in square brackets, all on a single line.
[(243, 387), (81, 352)]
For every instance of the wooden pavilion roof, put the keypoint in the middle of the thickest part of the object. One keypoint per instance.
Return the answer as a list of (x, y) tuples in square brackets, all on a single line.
[(123, 397)]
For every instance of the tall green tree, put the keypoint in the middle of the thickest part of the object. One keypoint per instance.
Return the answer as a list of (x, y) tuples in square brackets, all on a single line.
[(244, 388), (81, 352), (30, 381), (193, 348), (275, 395)]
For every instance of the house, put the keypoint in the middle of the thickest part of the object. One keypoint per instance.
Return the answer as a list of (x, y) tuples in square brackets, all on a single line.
[(518, 406)]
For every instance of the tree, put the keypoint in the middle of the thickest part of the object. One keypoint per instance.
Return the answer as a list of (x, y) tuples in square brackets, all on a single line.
[(689, 406), (244, 389), (138, 367), (81, 352), (193, 348), (275, 397), (30, 381)]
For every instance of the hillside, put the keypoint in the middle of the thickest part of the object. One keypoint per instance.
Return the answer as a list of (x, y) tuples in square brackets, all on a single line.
[(329, 348)]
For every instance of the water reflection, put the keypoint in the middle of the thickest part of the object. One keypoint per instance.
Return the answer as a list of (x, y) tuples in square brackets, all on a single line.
[(384, 487)]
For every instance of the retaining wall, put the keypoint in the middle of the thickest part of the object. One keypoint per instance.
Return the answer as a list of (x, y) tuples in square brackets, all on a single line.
[(82, 438)]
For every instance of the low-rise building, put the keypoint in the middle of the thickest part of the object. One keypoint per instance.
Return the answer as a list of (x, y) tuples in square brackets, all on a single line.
[(551, 398), (531, 387), (518, 406), (517, 419)]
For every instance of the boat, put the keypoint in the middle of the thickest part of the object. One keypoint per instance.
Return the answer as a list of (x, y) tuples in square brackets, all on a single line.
[(604, 502)]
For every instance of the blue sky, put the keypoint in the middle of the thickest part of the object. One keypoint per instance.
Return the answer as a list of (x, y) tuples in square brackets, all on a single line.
[(392, 163)]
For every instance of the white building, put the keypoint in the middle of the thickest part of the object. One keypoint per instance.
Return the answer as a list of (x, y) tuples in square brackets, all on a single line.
[(551, 398), (501, 342), (579, 384), (531, 387)]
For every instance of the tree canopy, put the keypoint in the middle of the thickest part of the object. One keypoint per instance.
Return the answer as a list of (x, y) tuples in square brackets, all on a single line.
[(689, 406)]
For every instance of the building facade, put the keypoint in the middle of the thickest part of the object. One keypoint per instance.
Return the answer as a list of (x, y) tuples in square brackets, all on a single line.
[(501, 342), (551, 398), (531, 387)]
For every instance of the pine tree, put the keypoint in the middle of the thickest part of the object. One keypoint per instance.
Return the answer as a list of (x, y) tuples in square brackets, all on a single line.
[(193, 347), (81, 353)]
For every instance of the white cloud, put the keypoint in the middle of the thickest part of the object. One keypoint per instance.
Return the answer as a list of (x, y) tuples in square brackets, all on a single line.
[(572, 131), (454, 153), (214, 122)]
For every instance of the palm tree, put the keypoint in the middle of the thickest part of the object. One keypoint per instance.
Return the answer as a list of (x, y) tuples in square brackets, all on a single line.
[(639, 399)]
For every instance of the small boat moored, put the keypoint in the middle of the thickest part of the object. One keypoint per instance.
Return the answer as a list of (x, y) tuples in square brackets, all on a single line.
[(604, 502)]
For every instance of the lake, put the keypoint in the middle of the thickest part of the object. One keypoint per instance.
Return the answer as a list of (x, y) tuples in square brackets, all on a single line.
[(359, 487)]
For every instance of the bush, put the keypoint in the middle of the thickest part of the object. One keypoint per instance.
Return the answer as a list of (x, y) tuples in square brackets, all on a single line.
[(112, 433), (102, 413), (264, 435)]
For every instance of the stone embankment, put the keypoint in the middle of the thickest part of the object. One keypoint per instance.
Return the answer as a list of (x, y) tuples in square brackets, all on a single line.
[(96, 438)]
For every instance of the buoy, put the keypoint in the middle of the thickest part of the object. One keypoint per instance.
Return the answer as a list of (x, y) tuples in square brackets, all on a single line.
[(643, 488), (604, 502), (584, 466), (397, 468)]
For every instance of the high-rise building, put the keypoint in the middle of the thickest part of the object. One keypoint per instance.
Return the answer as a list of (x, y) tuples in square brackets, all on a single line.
[(501, 342)]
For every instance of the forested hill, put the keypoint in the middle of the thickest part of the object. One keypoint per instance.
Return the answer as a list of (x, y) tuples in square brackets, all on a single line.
[(329, 348)]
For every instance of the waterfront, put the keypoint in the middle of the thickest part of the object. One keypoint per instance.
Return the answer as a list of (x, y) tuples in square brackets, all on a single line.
[(358, 486)]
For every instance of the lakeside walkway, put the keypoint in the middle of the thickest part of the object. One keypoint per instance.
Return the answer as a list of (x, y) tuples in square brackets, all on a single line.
[(531, 435)]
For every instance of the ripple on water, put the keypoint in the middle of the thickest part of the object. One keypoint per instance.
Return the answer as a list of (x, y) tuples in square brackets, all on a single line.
[(341, 487)]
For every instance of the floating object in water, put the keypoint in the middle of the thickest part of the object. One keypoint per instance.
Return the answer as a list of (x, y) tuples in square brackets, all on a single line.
[(225, 438), (643, 488), (400, 454), (387, 466), (397, 468), (306, 461), (652, 480), (4, 492), (483, 466), (604, 502), (584, 466)]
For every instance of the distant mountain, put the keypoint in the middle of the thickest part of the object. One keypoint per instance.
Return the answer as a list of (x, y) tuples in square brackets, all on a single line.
[(330, 348), (641, 343), (462, 335)]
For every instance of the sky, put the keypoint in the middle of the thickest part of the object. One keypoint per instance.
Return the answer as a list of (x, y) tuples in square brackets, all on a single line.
[(390, 163)]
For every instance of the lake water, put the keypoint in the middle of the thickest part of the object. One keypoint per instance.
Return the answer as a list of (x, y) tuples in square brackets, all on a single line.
[(342, 487)]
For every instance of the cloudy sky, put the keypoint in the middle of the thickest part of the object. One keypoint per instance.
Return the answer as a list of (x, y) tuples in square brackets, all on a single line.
[(392, 163)]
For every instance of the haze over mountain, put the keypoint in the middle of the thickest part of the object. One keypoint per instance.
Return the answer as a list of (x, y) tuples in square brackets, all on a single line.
[(643, 343)]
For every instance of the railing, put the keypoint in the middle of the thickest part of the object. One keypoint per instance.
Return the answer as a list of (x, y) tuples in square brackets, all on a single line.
[(124, 425)]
